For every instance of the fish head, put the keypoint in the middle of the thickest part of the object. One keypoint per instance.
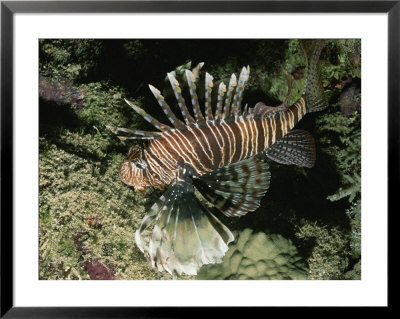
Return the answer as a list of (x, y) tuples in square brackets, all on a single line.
[(134, 171)]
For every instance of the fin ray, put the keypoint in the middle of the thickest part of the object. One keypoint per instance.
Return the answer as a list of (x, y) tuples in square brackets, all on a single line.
[(237, 99), (181, 101), (208, 90), (158, 125), (231, 87), (316, 99), (237, 188), (195, 101), (166, 108), (295, 148), (136, 132), (221, 93), (179, 234)]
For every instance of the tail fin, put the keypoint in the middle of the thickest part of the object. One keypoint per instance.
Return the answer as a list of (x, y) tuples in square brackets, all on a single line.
[(316, 99)]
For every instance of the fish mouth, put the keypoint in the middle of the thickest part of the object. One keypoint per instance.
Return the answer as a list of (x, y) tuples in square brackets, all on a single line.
[(140, 189), (140, 186)]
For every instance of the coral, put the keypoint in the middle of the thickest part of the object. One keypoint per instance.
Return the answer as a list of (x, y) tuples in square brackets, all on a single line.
[(330, 249), (343, 59), (355, 273), (348, 100), (341, 139), (257, 256), (85, 223), (88, 217), (354, 213), (72, 59), (332, 241)]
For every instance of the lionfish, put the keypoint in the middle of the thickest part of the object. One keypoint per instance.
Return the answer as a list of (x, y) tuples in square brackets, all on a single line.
[(223, 155)]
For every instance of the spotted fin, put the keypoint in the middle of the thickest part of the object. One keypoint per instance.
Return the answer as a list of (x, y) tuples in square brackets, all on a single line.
[(297, 148), (238, 188), (316, 99), (179, 234)]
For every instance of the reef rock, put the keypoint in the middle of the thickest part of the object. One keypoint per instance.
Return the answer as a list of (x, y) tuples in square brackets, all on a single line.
[(257, 256)]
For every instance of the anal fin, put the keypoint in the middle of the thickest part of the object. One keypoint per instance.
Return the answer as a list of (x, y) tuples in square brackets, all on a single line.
[(236, 189), (297, 148)]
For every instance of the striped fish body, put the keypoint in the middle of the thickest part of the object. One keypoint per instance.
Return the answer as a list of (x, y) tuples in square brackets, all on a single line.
[(215, 144), (223, 155)]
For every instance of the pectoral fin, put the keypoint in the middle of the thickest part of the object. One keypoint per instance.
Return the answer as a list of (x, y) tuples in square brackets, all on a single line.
[(179, 234), (238, 188)]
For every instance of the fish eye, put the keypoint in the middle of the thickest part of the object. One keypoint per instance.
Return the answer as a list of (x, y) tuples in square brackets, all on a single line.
[(138, 165)]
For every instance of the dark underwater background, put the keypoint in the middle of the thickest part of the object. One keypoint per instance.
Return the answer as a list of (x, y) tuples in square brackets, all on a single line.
[(309, 223)]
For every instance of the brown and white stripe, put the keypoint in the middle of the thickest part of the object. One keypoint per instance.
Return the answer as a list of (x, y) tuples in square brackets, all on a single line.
[(221, 143), (210, 142)]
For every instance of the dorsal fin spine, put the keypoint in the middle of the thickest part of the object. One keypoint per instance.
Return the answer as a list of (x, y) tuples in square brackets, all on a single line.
[(207, 105), (221, 93), (231, 87), (160, 126), (245, 111), (136, 132), (237, 99), (165, 107), (123, 138), (195, 101), (181, 101)]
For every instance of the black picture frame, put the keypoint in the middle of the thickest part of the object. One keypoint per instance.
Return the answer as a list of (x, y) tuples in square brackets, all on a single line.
[(9, 8)]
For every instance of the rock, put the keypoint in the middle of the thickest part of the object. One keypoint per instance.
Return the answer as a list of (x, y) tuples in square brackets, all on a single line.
[(257, 256)]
